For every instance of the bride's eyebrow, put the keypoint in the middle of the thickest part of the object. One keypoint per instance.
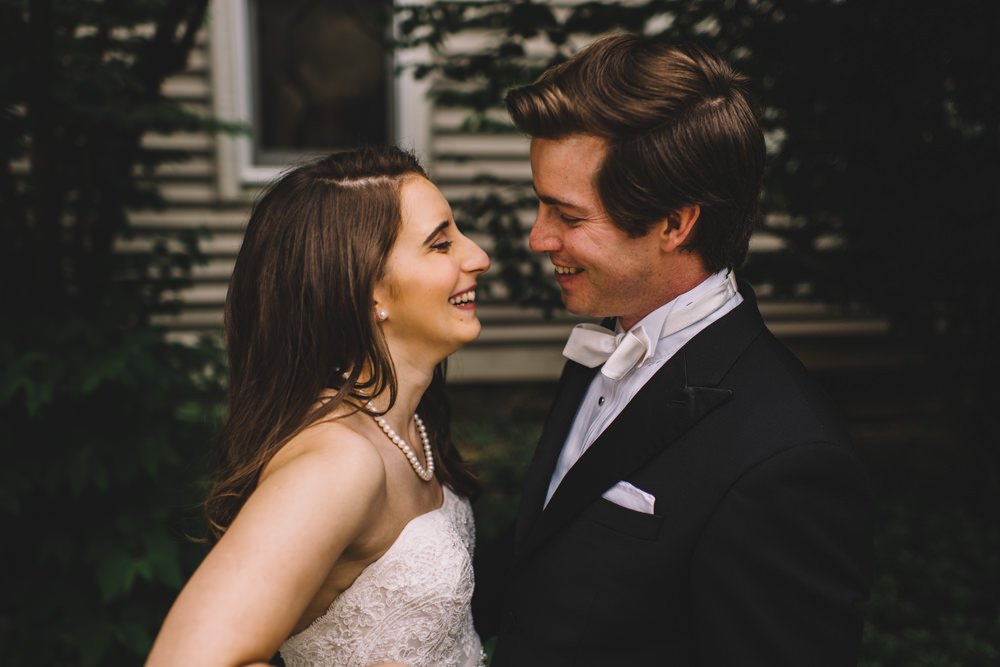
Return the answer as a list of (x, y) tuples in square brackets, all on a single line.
[(437, 230)]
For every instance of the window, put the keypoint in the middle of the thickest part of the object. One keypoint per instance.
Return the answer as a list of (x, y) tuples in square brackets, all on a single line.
[(322, 76), (309, 77)]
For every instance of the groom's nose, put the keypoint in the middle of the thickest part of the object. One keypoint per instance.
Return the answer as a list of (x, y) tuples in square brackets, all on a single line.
[(544, 233)]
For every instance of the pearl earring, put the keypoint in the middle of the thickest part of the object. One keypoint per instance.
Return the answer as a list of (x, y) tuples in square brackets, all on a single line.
[(382, 316)]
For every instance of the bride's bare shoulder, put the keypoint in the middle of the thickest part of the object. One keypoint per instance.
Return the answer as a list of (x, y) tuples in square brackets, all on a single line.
[(331, 452)]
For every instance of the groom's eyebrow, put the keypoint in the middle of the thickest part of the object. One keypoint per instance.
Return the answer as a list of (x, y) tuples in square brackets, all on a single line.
[(437, 230), (553, 201)]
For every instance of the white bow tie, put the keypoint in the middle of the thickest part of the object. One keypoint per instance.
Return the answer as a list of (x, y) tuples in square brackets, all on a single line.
[(593, 345)]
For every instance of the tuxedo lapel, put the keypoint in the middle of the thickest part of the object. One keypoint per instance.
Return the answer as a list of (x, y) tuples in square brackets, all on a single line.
[(662, 410), (680, 394), (572, 386)]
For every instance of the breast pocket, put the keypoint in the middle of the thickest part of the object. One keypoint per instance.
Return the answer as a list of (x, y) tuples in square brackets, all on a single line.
[(625, 521)]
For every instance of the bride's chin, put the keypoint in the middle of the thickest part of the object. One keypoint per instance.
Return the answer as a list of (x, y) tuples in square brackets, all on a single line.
[(444, 348), (470, 338)]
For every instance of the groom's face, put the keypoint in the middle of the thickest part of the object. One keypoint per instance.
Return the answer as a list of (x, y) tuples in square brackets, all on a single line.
[(601, 271)]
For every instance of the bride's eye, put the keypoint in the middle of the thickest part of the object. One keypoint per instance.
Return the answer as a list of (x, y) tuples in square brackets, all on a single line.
[(443, 245)]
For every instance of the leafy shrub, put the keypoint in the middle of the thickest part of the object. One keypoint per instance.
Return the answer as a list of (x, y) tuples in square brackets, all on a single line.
[(104, 423), (934, 600), (104, 436)]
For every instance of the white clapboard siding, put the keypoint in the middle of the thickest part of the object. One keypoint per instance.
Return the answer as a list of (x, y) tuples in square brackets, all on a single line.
[(517, 344)]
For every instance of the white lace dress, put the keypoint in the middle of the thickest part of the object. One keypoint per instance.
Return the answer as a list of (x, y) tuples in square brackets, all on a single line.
[(409, 606)]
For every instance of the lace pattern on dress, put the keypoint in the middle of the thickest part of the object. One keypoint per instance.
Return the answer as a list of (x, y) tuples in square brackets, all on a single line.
[(409, 606)]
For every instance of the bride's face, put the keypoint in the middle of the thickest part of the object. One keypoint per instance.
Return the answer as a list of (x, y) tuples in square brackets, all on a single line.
[(428, 292)]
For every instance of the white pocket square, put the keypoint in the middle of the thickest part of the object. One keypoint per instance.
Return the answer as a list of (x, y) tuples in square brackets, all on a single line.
[(631, 497)]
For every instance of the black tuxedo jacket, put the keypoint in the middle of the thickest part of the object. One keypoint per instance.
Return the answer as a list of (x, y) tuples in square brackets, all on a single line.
[(759, 550)]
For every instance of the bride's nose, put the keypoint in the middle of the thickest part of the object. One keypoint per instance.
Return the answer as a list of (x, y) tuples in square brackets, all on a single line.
[(475, 259)]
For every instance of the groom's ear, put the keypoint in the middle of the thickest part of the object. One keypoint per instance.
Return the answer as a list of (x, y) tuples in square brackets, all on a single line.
[(677, 227)]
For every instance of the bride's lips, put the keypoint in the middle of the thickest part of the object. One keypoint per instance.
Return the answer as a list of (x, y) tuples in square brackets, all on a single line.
[(466, 299)]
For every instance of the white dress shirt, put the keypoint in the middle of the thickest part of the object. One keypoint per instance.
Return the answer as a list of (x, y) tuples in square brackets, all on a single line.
[(606, 398)]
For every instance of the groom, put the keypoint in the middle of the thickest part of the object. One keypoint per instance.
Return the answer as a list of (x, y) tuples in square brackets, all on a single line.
[(693, 499)]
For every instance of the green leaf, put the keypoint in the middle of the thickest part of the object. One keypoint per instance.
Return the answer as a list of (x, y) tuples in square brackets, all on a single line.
[(115, 575)]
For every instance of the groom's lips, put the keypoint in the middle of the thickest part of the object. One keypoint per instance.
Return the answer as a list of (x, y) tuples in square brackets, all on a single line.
[(567, 270), (564, 274)]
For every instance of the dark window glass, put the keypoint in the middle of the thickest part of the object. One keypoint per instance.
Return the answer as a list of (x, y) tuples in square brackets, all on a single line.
[(322, 73)]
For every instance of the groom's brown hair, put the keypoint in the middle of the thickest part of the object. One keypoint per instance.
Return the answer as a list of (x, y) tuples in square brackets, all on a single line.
[(679, 129)]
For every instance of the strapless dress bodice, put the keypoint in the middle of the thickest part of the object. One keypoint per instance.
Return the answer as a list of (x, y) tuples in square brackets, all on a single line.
[(412, 605)]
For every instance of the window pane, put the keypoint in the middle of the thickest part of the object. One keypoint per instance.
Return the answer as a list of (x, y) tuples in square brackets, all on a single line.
[(322, 70)]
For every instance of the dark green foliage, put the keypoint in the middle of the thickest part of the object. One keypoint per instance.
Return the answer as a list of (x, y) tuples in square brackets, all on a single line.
[(934, 601), (496, 428), (104, 432), (104, 424), (80, 86)]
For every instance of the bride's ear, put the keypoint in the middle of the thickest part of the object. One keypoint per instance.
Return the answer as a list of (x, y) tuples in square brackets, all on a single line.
[(380, 297)]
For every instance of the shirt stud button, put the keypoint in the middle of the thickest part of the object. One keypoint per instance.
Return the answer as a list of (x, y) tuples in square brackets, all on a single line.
[(600, 401)]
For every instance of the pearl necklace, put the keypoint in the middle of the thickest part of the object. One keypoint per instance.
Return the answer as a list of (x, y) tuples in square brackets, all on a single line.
[(425, 475)]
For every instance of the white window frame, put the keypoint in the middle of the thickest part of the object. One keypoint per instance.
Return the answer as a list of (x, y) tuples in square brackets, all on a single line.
[(229, 25)]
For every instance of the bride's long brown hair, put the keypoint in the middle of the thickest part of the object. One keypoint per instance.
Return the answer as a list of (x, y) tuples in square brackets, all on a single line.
[(299, 313)]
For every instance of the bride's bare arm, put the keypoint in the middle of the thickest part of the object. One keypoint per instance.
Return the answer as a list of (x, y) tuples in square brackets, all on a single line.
[(255, 584)]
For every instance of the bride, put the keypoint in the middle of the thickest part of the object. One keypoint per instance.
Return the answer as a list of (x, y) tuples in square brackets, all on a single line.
[(341, 520)]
